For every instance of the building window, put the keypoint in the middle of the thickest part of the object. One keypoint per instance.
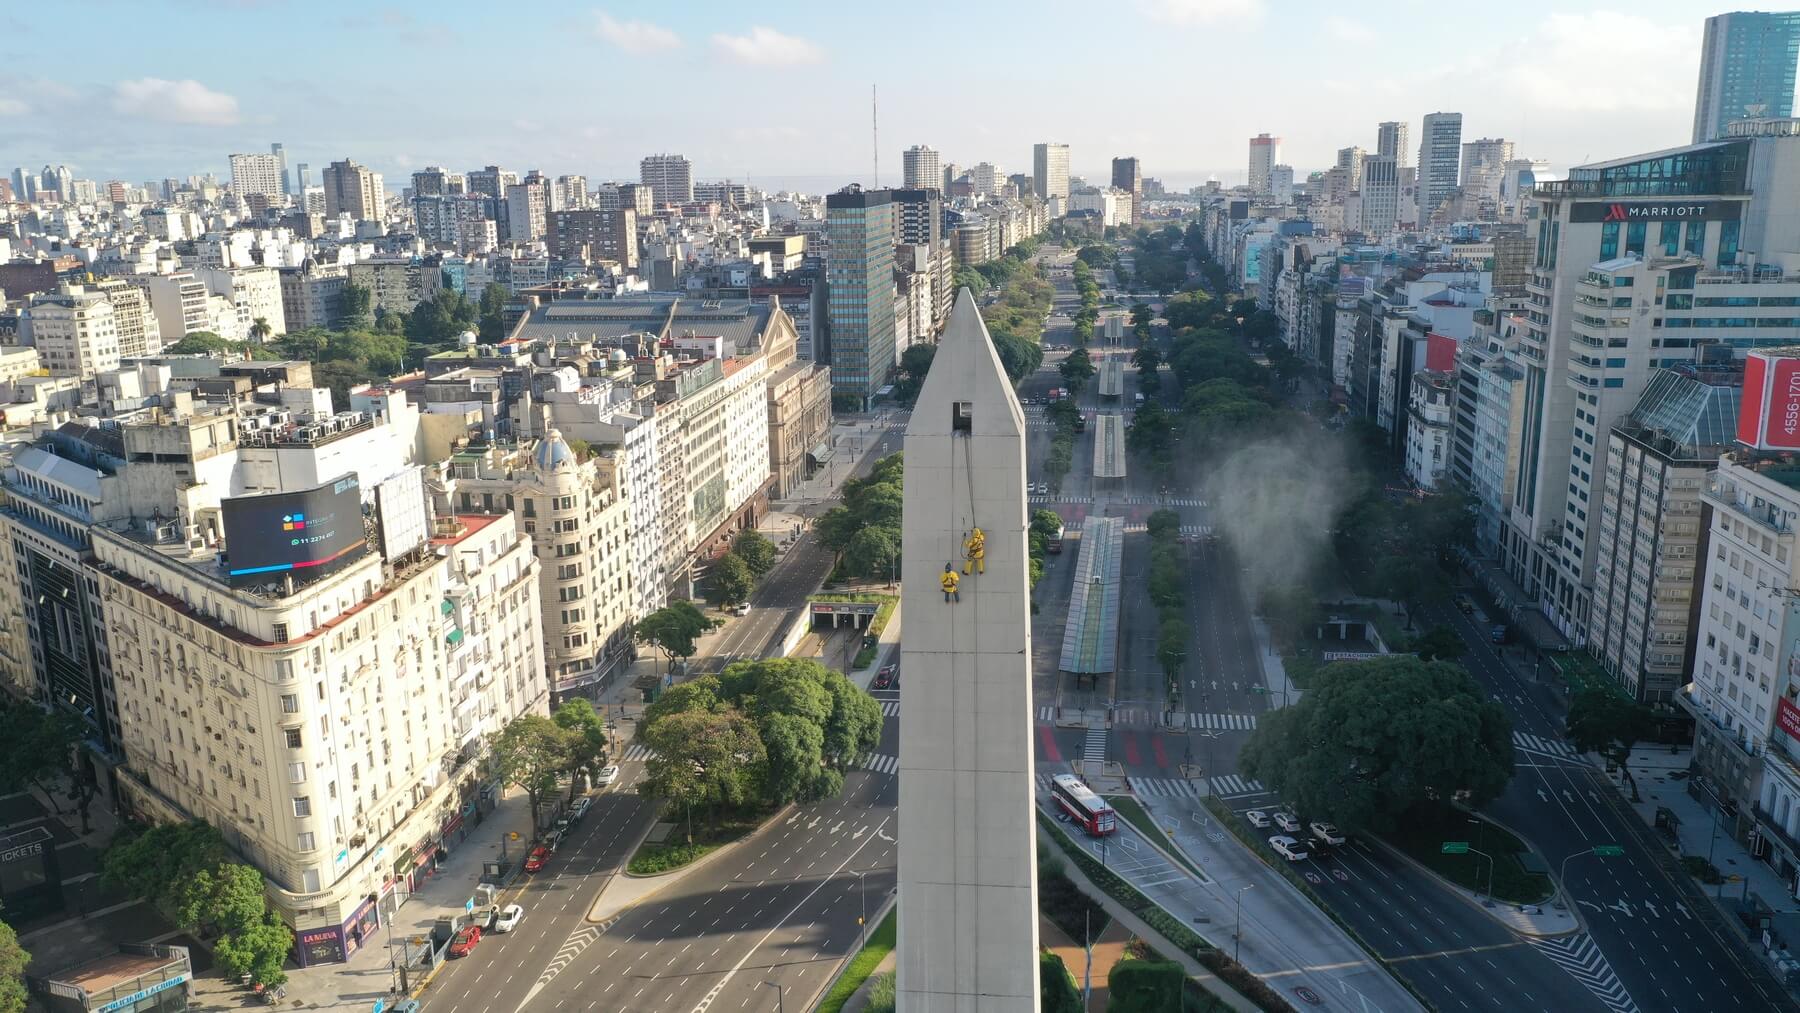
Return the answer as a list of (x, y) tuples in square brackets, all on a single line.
[(1634, 237), (1728, 243), (302, 806), (1696, 238), (293, 738), (305, 842), (296, 773), (1670, 238), (290, 703), (1609, 240)]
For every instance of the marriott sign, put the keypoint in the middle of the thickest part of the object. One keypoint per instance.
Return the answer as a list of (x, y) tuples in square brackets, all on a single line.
[(1657, 211)]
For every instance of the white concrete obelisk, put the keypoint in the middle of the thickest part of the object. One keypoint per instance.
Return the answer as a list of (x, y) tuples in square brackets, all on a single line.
[(968, 870)]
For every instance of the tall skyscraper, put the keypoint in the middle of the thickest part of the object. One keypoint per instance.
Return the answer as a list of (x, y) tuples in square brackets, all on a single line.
[(1351, 161), (1747, 64), (1484, 165), (1392, 139), (257, 173), (1380, 194), (1265, 151), (669, 177), (429, 182), (302, 178), (921, 168), (1128, 175), (280, 154), (352, 189), (987, 178), (859, 277), (1050, 170), (1440, 155)]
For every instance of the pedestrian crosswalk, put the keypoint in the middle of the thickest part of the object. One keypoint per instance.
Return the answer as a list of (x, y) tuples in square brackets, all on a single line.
[(1037, 499), (880, 763), (1167, 787), (1538, 744), (1222, 721), (1229, 785), (1094, 750), (1189, 530), (1578, 955), (891, 708), (637, 753), (1164, 501), (1147, 717)]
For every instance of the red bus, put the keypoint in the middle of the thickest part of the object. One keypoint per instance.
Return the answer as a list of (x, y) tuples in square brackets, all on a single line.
[(1055, 541), (1082, 805)]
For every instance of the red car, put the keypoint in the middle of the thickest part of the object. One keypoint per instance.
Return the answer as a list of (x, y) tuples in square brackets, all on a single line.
[(538, 857), (465, 940), (885, 677)]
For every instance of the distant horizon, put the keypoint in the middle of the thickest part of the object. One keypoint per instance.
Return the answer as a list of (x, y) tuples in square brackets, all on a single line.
[(608, 84)]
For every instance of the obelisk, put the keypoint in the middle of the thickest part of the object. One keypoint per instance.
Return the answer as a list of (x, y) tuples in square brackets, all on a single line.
[(968, 871)]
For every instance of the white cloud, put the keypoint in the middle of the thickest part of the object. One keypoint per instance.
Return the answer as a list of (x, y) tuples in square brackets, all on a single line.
[(13, 107), (1604, 62), (1345, 30), (1200, 12), (634, 36), (766, 47), (186, 101)]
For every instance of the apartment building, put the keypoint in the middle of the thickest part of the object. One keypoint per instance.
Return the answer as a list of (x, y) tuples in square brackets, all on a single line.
[(352, 189), (1649, 544), (139, 333), (593, 235), (311, 294), (75, 330), (396, 284)]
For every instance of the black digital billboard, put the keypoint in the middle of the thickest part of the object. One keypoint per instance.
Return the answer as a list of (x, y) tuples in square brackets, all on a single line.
[(306, 534)]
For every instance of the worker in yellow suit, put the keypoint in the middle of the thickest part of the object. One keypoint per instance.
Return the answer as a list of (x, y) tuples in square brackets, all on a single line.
[(948, 582), (975, 552)]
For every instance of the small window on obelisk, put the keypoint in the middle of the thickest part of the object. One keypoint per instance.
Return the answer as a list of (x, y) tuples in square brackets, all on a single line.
[(962, 418)]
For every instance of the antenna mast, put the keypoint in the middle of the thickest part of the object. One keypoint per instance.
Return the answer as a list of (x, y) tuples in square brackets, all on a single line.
[(875, 133)]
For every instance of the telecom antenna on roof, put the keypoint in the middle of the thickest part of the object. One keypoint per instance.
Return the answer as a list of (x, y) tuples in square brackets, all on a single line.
[(875, 133)]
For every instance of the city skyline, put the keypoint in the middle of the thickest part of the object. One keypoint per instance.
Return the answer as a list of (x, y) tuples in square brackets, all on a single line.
[(1567, 87)]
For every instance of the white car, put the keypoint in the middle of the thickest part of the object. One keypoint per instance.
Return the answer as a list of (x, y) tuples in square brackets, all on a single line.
[(1288, 848), (1326, 832), (509, 918), (1287, 822), (1257, 818), (743, 609), (608, 774)]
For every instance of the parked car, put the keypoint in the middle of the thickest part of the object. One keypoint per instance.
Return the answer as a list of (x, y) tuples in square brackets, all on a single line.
[(465, 941), (608, 774), (742, 609), (1326, 832), (1464, 605), (537, 859), (580, 808), (1257, 818), (1287, 822), (509, 918), (1288, 848), (885, 678)]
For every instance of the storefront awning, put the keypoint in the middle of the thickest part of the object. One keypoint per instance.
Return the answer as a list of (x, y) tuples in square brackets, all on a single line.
[(820, 454)]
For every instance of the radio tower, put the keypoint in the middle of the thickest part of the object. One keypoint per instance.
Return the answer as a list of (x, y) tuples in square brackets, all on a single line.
[(875, 133)]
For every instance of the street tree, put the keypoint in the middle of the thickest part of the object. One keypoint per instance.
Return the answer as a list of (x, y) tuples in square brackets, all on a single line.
[(1603, 719), (854, 727), (37, 747), (1055, 988), (1063, 414), (13, 960), (1141, 313), (528, 754), (155, 862), (219, 900), (1147, 359), (794, 747), (1171, 649), (1372, 741), (706, 759), (260, 330), (584, 731), (755, 549), (729, 579), (258, 949), (1440, 643), (1145, 986), (1403, 578), (674, 629), (915, 362), (1077, 369), (1163, 525), (490, 312), (354, 303), (1045, 523), (872, 552), (1290, 611)]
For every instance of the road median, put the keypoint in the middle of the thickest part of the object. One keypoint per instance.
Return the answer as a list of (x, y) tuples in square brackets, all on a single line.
[(627, 891)]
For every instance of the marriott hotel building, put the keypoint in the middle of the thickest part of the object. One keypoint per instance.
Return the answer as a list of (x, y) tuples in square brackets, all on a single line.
[(1641, 262)]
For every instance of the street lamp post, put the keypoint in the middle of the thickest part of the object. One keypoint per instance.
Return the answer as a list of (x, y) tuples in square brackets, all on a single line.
[(780, 996), (1237, 934), (862, 919)]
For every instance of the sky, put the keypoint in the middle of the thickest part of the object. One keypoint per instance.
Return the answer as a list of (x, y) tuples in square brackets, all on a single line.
[(778, 93)]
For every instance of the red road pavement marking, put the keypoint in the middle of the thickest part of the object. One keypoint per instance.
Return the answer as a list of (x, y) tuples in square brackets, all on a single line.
[(1156, 746), (1132, 756), (1047, 740)]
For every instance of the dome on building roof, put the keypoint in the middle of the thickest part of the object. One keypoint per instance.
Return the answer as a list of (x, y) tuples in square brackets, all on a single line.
[(617, 355), (552, 453)]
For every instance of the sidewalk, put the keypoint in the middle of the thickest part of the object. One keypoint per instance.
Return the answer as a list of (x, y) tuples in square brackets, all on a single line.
[(1699, 832), (1281, 690), (367, 975)]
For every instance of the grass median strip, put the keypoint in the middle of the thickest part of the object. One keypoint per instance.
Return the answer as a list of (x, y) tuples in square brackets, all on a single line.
[(881, 943), (1423, 838), (1139, 817), (652, 859)]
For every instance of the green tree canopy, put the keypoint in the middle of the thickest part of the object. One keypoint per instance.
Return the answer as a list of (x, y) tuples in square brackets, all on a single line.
[(1372, 740), (915, 362), (1145, 986), (528, 754), (1056, 989), (1602, 719), (13, 959), (491, 312), (1440, 643), (710, 759), (353, 305), (729, 579), (157, 862), (203, 343), (674, 629), (584, 732), (755, 549), (1077, 369)]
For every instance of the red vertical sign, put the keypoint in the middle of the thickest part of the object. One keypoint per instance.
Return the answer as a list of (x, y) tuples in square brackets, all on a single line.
[(1781, 421), (1750, 404), (1787, 717)]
